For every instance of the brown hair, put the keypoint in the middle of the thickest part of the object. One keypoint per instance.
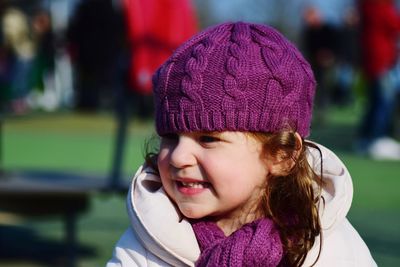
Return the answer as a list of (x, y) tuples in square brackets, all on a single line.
[(290, 199)]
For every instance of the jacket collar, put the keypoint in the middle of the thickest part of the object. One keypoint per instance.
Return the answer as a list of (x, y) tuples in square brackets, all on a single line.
[(157, 223)]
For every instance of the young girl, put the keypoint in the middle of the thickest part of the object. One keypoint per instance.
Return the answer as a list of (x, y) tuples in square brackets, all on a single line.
[(234, 182)]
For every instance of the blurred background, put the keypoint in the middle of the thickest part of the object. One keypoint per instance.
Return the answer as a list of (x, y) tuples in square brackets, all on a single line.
[(76, 110)]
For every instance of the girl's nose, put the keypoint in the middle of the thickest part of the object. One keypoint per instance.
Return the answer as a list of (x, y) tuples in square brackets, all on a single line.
[(183, 153)]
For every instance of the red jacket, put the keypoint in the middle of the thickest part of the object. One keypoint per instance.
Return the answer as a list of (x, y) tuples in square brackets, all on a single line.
[(155, 29), (380, 28)]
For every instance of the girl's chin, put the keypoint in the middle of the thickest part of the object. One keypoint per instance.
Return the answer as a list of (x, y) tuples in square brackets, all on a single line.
[(191, 213)]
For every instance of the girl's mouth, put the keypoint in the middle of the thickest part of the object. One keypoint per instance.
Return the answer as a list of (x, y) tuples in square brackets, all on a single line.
[(193, 184), (192, 187)]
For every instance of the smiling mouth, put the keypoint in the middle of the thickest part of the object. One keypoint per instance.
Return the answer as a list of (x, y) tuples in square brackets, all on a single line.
[(193, 184)]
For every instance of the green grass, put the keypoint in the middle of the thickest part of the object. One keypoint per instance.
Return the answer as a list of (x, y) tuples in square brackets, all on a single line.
[(76, 142), (70, 142)]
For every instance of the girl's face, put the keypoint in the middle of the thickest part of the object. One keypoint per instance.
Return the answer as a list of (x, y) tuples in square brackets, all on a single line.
[(213, 174)]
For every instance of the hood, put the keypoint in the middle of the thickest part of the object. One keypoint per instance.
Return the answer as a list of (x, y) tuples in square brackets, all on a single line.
[(337, 190), (157, 223), (160, 229)]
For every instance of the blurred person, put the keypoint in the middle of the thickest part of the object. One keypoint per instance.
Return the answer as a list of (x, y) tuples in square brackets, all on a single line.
[(234, 182), (154, 29), (95, 36), (380, 29), (326, 23), (5, 75), (17, 40), (348, 58), (4, 84), (43, 65), (45, 46)]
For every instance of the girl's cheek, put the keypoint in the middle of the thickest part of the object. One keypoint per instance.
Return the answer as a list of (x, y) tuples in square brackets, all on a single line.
[(162, 163), (162, 159)]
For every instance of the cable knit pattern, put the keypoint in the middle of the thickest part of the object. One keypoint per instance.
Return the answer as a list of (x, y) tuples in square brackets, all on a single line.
[(235, 82), (234, 77), (255, 244)]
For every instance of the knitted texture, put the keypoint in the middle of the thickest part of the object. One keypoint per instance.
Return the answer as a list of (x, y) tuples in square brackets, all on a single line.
[(234, 77), (254, 244)]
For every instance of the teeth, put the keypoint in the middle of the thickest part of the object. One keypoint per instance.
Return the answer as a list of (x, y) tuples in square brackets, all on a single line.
[(192, 185)]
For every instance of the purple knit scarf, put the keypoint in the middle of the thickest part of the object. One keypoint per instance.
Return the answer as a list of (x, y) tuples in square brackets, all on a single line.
[(254, 244)]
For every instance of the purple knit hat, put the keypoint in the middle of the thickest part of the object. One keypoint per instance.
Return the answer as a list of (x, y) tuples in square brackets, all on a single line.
[(234, 77)]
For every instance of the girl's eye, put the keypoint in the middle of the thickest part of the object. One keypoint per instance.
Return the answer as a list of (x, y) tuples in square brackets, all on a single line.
[(208, 139)]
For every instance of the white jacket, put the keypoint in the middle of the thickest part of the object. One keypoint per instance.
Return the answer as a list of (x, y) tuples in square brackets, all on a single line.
[(158, 236)]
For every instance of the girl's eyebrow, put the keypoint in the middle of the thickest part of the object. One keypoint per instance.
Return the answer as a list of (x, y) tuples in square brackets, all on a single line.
[(214, 134)]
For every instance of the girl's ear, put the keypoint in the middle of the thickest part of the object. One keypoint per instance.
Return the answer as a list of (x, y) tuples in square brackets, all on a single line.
[(283, 162)]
